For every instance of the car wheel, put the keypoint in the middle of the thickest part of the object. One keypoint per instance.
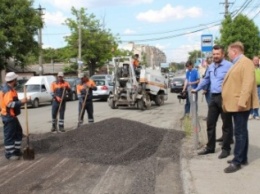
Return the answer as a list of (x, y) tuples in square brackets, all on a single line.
[(140, 104), (35, 103), (159, 100)]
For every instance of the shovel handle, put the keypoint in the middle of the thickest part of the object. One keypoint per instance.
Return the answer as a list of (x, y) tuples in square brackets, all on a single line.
[(26, 112), (83, 106)]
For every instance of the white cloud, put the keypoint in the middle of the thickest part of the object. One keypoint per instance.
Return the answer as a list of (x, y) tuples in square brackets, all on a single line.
[(67, 4), (54, 19), (180, 54), (129, 31), (168, 13)]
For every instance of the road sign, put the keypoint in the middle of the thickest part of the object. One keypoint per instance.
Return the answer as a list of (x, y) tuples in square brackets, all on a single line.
[(206, 42)]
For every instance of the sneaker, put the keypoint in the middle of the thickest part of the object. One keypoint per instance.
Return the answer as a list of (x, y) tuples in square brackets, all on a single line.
[(250, 117), (257, 118), (14, 158)]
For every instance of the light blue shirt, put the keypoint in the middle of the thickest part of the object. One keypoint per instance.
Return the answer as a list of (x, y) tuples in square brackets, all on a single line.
[(215, 76)]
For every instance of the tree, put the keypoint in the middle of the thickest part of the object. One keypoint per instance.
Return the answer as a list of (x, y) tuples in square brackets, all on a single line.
[(241, 28), (98, 43), (193, 55), (19, 23)]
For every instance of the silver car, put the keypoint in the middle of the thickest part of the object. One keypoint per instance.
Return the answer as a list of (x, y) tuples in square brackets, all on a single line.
[(104, 88)]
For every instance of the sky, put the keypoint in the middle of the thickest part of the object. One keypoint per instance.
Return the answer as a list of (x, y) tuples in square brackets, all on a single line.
[(173, 26)]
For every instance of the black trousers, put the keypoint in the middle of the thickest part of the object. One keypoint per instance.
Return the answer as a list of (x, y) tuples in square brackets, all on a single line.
[(214, 110), (89, 110)]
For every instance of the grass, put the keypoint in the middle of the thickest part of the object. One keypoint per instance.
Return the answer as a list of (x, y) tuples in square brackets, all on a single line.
[(187, 125)]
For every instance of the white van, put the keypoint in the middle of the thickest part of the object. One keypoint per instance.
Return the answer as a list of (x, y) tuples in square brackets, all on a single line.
[(39, 89)]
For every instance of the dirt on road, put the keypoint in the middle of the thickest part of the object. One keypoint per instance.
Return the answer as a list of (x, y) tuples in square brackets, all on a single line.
[(112, 156)]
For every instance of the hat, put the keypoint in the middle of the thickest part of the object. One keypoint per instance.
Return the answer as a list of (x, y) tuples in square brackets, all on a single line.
[(10, 76), (81, 75), (60, 74)]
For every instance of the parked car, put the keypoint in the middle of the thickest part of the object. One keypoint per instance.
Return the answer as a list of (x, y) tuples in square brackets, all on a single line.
[(102, 76), (38, 88), (177, 84), (72, 95), (104, 88)]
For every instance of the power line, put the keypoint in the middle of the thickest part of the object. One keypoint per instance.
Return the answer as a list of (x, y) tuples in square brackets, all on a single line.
[(169, 37)]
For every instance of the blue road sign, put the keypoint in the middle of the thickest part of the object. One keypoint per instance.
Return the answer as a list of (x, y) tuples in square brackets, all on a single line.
[(206, 42)]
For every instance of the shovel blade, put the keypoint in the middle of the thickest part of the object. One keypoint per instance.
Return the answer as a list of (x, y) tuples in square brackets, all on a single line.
[(28, 153)]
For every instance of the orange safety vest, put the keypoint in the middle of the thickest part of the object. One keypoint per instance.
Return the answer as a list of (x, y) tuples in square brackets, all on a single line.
[(136, 63), (10, 104), (81, 89), (58, 87)]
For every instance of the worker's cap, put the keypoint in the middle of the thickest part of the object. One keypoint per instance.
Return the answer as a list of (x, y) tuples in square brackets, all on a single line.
[(60, 74), (10, 76)]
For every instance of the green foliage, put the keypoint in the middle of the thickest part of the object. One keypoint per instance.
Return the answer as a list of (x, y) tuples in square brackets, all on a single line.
[(193, 55), (241, 28), (19, 23), (98, 43)]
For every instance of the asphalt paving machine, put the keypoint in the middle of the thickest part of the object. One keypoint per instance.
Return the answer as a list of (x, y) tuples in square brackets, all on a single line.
[(137, 87)]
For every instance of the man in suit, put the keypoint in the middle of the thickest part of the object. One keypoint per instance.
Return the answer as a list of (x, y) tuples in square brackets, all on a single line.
[(239, 94), (214, 76)]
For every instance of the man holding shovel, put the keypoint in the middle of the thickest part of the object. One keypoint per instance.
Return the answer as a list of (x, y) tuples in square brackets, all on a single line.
[(58, 92), (84, 91), (10, 109)]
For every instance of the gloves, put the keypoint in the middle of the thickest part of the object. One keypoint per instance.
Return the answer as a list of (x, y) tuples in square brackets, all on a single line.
[(58, 99)]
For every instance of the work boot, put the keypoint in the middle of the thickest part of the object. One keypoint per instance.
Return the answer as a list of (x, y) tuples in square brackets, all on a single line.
[(61, 129), (53, 129), (14, 157)]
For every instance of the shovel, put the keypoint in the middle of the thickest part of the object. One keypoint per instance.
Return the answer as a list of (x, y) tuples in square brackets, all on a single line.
[(83, 108), (28, 153)]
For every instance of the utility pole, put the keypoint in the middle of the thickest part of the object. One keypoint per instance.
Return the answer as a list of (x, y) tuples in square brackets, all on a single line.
[(40, 9), (79, 44), (226, 3)]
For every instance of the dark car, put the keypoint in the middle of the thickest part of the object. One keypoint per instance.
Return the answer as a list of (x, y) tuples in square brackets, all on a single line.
[(177, 84), (72, 95)]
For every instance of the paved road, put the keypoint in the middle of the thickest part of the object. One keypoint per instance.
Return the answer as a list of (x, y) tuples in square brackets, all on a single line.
[(53, 173)]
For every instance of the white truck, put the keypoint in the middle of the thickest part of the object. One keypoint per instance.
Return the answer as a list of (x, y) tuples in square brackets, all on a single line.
[(39, 89), (137, 87)]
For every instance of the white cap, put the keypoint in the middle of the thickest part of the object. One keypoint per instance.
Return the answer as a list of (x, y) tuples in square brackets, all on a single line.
[(10, 76), (60, 74), (81, 75)]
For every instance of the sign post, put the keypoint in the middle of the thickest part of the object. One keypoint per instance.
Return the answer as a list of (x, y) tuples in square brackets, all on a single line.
[(206, 43)]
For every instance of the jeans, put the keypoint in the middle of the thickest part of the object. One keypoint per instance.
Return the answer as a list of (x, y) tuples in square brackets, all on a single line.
[(241, 137), (254, 112), (214, 110), (187, 104)]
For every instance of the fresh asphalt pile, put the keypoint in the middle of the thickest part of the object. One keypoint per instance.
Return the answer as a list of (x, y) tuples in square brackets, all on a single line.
[(112, 156), (112, 141)]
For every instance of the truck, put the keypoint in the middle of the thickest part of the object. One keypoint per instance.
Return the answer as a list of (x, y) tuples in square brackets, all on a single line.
[(38, 89), (137, 87)]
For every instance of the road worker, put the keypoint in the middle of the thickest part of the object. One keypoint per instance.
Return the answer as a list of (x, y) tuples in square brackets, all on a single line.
[(85, 87), (10, 109), (58, 92), (136, 61)]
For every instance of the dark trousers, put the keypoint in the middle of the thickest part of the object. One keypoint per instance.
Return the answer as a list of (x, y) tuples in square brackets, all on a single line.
[(89, 109), (13, 135), (214, 110), (54, 112), (241, 136)]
